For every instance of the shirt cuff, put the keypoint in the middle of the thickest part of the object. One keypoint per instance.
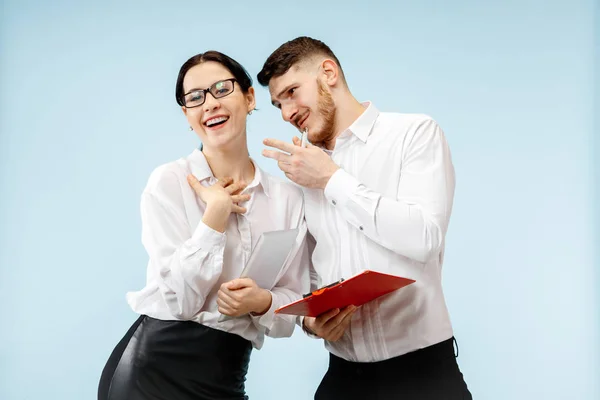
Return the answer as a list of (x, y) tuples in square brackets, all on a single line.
[(206, 237), (353, 200), (340, 188), (266, 319)]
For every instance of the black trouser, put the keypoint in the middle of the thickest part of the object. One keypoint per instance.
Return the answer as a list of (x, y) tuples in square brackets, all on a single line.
[(427, 374), (176, 360)]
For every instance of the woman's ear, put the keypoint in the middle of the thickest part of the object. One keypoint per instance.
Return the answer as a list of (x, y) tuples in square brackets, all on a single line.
[(250, 99)]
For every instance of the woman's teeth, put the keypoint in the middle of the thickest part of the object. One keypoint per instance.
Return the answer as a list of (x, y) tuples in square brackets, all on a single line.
[(216, 121)]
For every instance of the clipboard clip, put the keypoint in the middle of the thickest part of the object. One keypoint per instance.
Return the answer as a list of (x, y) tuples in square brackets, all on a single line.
[(321, 289)]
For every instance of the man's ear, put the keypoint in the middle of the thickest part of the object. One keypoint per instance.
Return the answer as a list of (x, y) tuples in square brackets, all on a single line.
[(331, 71)]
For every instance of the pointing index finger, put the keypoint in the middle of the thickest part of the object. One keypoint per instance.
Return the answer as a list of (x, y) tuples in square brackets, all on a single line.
[(279, 144)]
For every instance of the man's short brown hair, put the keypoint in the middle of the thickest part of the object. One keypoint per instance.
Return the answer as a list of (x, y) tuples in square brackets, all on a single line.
[(291, 53)]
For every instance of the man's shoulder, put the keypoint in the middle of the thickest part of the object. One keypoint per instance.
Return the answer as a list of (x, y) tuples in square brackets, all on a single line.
[(404, 119), (398, 126)]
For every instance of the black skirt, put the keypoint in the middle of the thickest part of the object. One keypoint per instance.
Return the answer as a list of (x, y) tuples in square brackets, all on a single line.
[(176, 360)]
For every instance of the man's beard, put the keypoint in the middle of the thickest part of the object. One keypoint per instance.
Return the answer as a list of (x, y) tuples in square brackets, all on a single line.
[(326, 108)]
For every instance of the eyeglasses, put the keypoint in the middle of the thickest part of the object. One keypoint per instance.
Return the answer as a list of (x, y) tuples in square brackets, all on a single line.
[(219, 89)]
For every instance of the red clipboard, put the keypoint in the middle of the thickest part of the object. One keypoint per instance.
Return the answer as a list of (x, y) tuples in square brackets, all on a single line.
[(358, 290)]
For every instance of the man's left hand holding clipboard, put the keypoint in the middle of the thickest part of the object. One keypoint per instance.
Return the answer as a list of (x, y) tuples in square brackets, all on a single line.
[(330, 325)]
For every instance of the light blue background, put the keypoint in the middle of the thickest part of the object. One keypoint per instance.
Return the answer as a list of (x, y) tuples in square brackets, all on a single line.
[(87, 111)]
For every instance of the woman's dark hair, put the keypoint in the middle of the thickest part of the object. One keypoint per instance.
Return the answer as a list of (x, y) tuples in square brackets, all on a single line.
[(239, 73)]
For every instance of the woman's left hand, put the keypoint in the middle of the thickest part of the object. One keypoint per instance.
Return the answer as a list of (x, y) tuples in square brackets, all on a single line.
[(242, 296)]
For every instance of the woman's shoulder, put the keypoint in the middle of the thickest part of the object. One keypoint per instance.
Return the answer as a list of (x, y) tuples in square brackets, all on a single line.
[(167, 178), (286, 199)]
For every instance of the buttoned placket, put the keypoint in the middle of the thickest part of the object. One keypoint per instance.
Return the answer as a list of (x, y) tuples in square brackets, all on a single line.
[(243, 226), (355, 328)]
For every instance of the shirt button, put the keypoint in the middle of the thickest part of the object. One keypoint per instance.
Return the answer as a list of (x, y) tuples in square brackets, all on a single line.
[(334, 202), (360, 227)]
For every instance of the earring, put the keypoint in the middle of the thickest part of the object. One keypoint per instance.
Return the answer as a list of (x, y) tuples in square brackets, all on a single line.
[(191, 129), (250, 112)]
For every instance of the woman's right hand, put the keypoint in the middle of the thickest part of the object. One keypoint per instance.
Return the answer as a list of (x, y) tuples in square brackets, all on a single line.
[(221, 200)]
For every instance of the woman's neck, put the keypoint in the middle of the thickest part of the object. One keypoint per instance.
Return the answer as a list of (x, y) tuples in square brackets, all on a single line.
[(232, 163)]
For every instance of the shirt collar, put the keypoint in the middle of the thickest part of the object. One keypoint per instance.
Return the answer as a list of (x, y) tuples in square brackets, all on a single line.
[(363, 126), (199, 166), (201, 170)]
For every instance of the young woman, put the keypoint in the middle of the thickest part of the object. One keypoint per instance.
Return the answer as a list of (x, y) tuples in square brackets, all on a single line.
[(201, 217)]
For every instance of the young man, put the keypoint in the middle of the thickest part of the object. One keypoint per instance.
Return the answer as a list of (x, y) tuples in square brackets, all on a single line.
[(378, 191)]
